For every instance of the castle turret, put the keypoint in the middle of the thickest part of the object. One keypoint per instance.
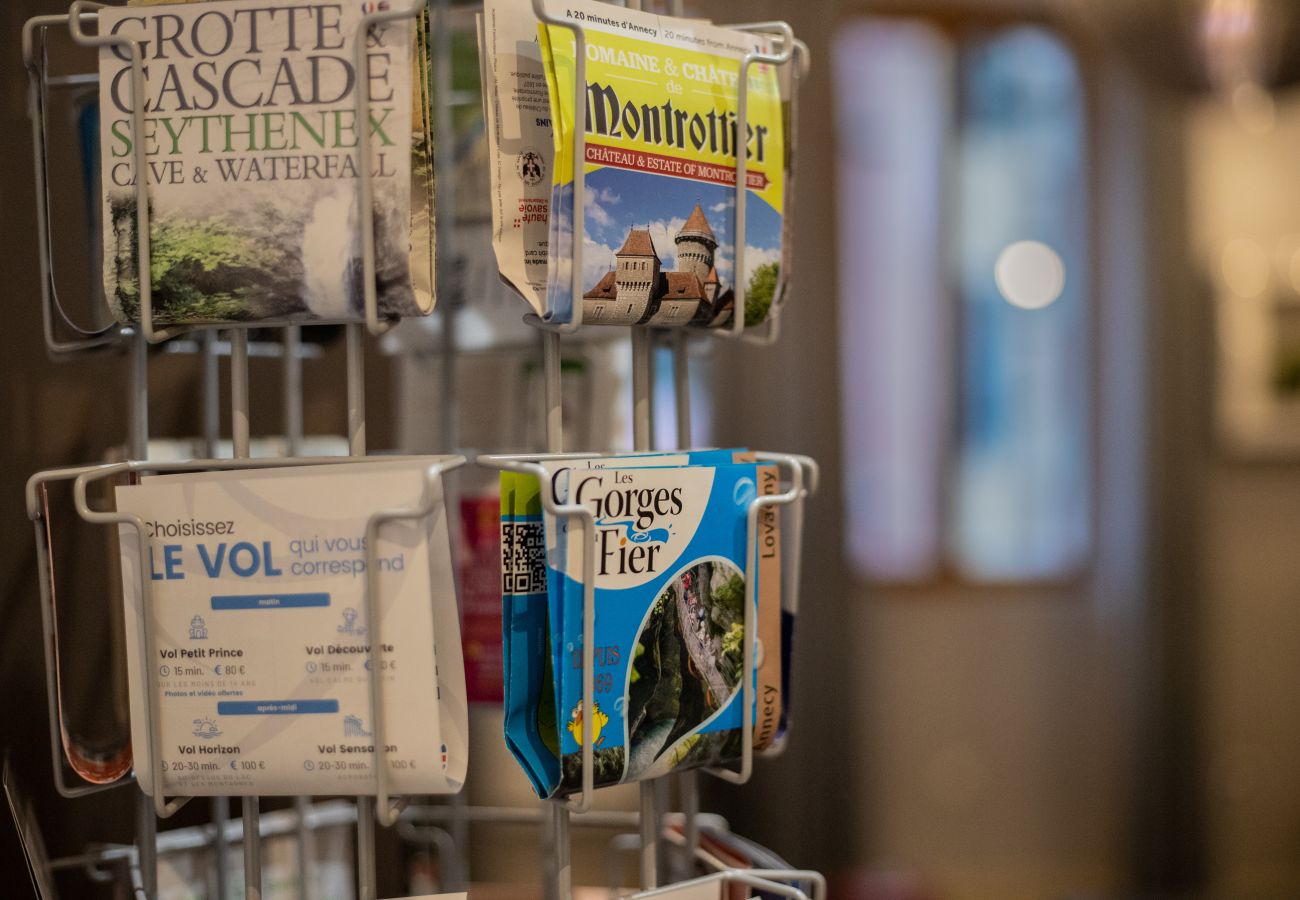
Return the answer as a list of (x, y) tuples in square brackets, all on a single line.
[(635, 277), (695, 245)]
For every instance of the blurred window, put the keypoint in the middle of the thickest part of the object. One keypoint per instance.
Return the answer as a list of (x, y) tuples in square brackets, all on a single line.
[(964, 302)]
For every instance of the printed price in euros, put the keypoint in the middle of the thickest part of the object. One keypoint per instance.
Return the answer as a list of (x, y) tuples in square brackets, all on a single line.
[(227, 669), (401, 764)]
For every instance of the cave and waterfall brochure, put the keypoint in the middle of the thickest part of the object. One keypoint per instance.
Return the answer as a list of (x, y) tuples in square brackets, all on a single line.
[(658, 242), (671, 540), (251, 138), (260, 637)]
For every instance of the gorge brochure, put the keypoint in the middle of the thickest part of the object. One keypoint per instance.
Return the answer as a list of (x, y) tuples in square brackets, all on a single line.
[(658, 244), (251, 136), (261, 639), (671, 543)]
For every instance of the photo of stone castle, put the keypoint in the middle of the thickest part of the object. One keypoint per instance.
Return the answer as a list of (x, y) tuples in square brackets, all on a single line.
[(638, 289)]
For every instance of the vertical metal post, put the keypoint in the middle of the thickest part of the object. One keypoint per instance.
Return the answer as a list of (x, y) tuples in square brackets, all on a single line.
[(146, 823), (291, 402), (641, 431), (138, 407), (305, 849), (682, 388), (211, 399), (449, 274), (556, 829), (563, 852), (242, 444), (220, 850), (640, 388), (146, 838), (649, 836), (367, 872), (356, 391), (689, 786), (651, 390), (550, 853), (460, 835), (252, 815), (239, 432), (554, 399), (448, 424), (292, 387)]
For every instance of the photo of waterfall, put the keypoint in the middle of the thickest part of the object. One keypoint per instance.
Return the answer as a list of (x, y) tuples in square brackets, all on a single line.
[(285, 254)]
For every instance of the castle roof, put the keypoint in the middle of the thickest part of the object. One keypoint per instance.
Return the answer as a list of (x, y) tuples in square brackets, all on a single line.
[(638, 243), (713, 276), (680, 286), (671, 286), (605, 289), (697, 225)]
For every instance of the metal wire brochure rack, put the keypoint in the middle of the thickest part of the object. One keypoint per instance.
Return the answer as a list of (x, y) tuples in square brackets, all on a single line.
[(800, 472)]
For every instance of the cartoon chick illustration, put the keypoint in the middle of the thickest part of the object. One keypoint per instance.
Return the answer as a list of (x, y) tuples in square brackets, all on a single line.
[(598, 721)]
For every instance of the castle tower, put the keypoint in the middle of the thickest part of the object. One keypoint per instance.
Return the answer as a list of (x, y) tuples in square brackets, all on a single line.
[(695, 245), (636, 274), (711, 285)]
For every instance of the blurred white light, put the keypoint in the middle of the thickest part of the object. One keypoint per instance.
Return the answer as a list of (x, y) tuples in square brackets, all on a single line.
[(1029, 274), (1245, 267)]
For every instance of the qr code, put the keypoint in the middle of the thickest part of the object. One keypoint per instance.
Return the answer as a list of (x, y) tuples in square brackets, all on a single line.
[(523, 558)]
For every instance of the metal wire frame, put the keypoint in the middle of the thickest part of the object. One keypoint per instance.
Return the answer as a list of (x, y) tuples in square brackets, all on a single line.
[(815, 879), (308, 817), (83, 476), (433, 499), (625, 843), (34, 61), (785, 36), (725, 877)]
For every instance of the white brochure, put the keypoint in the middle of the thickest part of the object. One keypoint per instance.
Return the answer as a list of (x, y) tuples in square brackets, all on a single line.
[(261, 638), (517, 113)]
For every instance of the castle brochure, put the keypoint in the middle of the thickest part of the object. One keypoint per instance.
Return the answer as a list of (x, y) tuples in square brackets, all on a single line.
[(251, 137), (261, 639), (658, 242), (671, 544), (660, 164)]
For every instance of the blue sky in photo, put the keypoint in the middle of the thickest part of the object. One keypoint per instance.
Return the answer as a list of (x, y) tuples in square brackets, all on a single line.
[(618, 200)]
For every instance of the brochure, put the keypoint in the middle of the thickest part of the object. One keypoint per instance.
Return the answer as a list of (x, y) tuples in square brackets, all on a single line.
[(251, 134), (662, 136), (478, 558), (660, 179), (262, 638), (772, 679), (672, 542), (517, 110)]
